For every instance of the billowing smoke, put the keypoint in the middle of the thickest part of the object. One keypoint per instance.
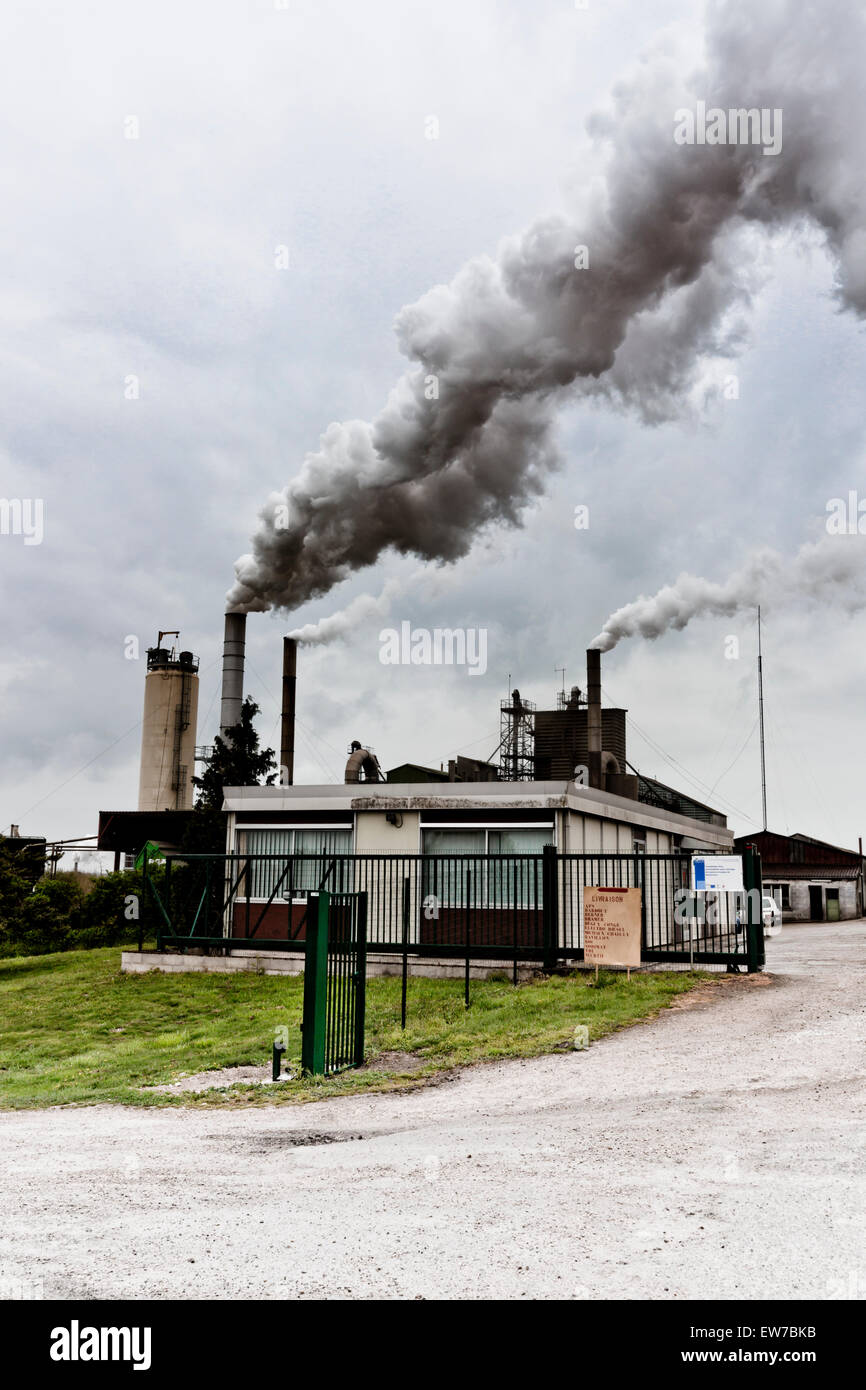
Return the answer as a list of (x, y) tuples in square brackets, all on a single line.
[(465, 439), (341, 624), (832, 568)]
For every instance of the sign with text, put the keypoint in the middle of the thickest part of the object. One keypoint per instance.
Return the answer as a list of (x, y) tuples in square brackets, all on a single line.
[(611, 926), (717, 873)]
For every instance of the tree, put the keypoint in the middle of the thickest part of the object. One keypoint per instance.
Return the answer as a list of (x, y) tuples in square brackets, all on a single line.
[(237, 761), (14, 885)]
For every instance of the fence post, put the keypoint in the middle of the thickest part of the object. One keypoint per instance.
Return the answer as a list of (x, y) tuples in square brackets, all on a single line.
[(549, 908), (144, 888), (753, 883), (406, 909), (360, 979), (315, 984)]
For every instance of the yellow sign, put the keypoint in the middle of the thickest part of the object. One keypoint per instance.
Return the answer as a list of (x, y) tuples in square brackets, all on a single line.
[(611, 926)]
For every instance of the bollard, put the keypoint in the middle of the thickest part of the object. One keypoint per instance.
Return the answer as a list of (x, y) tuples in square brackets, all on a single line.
[(277, 1061)]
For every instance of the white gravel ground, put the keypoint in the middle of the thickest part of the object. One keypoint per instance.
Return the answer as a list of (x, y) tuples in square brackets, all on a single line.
[(717, 1152)]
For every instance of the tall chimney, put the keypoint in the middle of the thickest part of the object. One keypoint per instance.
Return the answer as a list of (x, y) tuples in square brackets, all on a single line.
[(233, 671), (593, 715), (287, 733)]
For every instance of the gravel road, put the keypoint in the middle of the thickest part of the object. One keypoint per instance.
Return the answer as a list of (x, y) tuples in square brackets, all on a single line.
[(716, 1152)]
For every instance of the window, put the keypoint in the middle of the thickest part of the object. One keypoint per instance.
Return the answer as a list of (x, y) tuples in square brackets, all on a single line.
[(264, 874), (782, 894), (482, 882)]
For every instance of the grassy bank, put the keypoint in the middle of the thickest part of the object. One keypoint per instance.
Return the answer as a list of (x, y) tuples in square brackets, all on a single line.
[(73, 1029)]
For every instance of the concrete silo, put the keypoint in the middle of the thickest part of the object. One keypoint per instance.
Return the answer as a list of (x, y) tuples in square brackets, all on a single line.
[(168, 730)]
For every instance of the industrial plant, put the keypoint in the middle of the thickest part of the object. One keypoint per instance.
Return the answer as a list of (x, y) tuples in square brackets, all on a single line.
[(558, 776)]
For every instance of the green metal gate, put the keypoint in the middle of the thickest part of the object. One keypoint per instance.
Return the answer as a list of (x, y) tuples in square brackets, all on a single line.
[(335, 981)]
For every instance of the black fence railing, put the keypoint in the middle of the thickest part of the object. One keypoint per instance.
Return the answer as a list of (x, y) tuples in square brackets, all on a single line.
[(509, 907)]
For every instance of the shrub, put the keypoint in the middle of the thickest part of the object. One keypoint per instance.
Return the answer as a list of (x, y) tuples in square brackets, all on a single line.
[(67, 914)]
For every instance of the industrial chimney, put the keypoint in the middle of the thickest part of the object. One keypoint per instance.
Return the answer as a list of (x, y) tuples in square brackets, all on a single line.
[(168, 729), (593, 715), (233, 671), (287, 730)]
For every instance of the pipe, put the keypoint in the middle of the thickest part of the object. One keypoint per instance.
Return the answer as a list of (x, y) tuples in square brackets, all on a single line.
[(233, 671), (287, 729), (362, 760), (593, 715)]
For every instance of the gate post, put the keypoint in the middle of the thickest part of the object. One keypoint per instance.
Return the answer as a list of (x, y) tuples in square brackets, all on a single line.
[(360, 980), (753, 883), (315, 984), (549, 908)]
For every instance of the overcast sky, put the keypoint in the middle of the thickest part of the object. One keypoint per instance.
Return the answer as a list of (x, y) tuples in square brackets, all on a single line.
[(256, 127)]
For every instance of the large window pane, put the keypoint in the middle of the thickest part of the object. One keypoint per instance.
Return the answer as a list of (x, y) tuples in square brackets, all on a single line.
[(264, 875), (516, 882), (449, 879), (311, 873)]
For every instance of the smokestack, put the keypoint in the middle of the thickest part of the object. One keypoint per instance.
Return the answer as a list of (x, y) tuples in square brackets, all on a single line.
[(593, 714), (233, 671), (287, 736)]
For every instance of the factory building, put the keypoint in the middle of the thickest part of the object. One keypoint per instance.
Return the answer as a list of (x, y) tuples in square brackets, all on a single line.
[(558, 776), (591, 806), (810, 880)]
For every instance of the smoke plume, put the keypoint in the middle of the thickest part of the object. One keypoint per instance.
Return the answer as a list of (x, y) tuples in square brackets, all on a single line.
[(360, 610), (832, 568), (465, 439)]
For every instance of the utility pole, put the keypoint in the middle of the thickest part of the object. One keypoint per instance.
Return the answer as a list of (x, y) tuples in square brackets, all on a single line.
[(761, 722)]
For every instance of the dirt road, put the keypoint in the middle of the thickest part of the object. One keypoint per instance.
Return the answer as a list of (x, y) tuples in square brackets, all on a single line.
[(717, 1152)]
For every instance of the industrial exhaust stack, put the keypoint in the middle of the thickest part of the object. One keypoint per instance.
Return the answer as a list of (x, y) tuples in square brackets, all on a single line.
[(593, 715), (287, 731), (233, 671)]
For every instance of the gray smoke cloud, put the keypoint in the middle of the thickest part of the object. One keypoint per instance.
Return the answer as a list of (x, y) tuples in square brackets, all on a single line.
[(832, 568), (465, 440)]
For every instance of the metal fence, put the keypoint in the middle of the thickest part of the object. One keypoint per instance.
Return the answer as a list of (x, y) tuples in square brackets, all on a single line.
[(499, 907)]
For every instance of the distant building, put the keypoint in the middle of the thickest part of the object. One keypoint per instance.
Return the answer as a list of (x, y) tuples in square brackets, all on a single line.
[(809, 879), (30, 852)]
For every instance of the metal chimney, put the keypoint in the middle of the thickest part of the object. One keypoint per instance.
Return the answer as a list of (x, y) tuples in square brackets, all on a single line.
[(287, 733), (593, 715), (233, 671)]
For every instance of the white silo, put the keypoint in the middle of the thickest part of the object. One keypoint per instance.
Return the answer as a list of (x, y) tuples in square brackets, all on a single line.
[(168, 730)]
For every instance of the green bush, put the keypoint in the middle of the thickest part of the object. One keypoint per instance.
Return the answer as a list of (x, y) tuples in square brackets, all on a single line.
[(59, 915), (113, 910)]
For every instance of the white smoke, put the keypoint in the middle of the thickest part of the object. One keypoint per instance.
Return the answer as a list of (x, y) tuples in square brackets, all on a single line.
[(465, 438), (832, 568), (359, 611)]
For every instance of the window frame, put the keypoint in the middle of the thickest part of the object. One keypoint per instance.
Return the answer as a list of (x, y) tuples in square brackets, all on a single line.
[(341, 827), (485, 827)]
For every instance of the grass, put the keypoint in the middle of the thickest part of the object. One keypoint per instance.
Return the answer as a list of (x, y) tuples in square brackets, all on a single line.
[(74, 1030)]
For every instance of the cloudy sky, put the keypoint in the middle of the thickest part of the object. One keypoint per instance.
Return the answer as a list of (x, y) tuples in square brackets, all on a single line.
[(164, 373)]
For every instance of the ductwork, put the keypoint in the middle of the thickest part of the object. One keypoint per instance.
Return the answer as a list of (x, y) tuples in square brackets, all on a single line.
[(609, 764), (362, 760), (233, 671), (287, 728)]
